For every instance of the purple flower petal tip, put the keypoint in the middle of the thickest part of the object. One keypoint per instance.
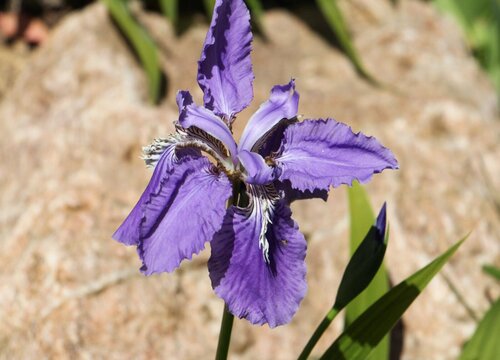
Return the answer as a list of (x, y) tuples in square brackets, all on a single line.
[(183, 99), (381, 221), (225, 69), (283, 103), (129, 231)]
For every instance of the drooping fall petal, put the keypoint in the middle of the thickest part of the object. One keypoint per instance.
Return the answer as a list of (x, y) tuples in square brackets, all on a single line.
[(182, 215), (254, 289), (129, 231)]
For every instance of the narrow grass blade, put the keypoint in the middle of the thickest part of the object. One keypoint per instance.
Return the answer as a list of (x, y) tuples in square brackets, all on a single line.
[(333, 16), (363, 335), (360, 270), (170, 9), (492, 271), (484, 343), (362, 218), (142, 44)]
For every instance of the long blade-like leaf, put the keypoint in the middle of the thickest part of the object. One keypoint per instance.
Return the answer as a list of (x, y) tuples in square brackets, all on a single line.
[(141, 42), (362, 218), (364, 263), (484, 343), (492, 271), (333, 16), (256, 11), (360, 270), (363, 335), (170, 9), (209, 7)]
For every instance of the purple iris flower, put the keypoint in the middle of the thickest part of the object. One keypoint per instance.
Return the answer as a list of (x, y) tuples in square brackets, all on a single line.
[(257, 262)]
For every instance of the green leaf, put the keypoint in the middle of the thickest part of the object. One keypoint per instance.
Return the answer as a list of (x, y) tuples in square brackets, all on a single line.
[(209, 7), (333, 16), (256, 11), (363, 335), (480, 21), (362, 218), (363, 266), (492, 270), (142, 44), (360, 270), (484, 343), (170, 9)]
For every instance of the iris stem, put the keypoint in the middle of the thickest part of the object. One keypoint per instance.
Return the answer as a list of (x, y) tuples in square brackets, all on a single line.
[(318, 332), (226, 326)]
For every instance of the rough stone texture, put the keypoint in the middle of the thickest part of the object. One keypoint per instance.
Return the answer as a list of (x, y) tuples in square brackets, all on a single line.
[(72, 127), (12, 60)]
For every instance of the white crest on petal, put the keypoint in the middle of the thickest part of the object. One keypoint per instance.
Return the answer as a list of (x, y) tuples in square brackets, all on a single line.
[(186, 138), (197, 138), (262, 204), (152, 153)]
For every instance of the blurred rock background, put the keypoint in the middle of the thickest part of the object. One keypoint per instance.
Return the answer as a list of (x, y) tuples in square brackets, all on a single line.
[(74, 115)]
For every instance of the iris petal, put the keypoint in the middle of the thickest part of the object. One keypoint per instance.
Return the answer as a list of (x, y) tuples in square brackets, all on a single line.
[(317, 154), (283, 103), (183, 99), (225, 69), (182, 215), (129, 231), (204, 119), (290, 194), (260, 291), (257, 171)]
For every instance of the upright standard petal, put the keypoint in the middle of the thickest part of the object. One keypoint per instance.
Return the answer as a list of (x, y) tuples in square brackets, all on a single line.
[(182, 215), (283, 104), (315, 154), (129, 231), (255, 289), (256, 170), (204, 119), (225, 68)]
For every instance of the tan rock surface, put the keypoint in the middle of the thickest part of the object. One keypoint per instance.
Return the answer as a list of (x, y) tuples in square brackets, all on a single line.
[(72, 127)]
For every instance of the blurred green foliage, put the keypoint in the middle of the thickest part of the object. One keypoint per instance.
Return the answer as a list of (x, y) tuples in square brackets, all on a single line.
[(484, 342), (146, 50), (480, 20), (142, 44), (493, 271)]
